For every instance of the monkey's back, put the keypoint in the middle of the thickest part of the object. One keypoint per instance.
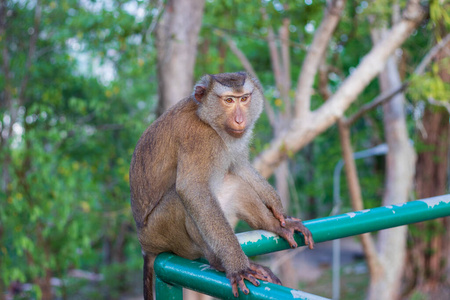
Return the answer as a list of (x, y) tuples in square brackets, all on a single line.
[(154, 163)]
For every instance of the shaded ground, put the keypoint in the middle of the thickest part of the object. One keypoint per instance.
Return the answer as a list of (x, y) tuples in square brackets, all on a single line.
[(313, 263)]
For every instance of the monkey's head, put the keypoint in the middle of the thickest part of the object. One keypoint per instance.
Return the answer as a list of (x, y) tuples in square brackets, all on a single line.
[(230, 101)]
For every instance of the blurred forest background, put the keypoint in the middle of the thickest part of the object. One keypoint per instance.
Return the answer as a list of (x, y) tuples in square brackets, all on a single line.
[(81, 80)]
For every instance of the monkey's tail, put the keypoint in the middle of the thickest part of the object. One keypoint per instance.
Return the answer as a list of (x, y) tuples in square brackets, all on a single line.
[(149, 259)]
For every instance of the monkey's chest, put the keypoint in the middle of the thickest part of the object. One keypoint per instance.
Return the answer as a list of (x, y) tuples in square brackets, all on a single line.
[(226, 194)]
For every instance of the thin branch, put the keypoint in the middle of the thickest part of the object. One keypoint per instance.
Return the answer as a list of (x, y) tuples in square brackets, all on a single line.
[(31, 51), (285, 56), (5, 56), (323, 79), (380, 99), (234, 32), (151, 28), (285, 67), (239, 54), (274, 54), (315, 53), (431, 54), (384, 97)]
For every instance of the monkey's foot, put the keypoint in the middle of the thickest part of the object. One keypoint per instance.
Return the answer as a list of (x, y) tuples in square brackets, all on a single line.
[(292, 225), (264, 273), (237, 279)]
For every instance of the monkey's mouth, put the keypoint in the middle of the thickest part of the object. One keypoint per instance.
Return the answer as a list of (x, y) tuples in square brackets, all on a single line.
[(235, 132)]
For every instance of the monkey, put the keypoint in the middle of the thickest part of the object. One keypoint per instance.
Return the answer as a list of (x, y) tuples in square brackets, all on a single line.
[(191, 181)]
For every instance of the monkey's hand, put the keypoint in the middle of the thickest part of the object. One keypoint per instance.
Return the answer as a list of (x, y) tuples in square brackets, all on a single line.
[(292, 225), (237, 279)]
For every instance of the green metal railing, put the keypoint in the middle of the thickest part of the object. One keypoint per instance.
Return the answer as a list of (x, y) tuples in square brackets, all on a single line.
[(173, 272)]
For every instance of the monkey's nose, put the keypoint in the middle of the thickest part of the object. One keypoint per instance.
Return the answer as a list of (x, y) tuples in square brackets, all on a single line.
[(239, 120)]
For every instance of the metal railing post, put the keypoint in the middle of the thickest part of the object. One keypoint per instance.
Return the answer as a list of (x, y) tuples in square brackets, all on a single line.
[(167, 291)]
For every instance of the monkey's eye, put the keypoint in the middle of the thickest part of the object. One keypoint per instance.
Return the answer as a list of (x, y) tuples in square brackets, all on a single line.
[(244, 99), (229, 100)]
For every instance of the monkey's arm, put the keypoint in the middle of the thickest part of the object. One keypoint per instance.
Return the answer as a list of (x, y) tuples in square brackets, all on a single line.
[(272, 202), (263, 188)]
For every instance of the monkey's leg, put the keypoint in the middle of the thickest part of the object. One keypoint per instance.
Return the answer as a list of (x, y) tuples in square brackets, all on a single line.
[(165, 232), (167, 229)]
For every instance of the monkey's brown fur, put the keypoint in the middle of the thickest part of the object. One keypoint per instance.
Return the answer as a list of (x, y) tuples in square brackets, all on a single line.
[(191, 180)]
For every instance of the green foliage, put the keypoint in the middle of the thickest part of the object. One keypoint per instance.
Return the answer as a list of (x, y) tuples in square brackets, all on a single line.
[(68, 188), (431, 85), (91, 91)]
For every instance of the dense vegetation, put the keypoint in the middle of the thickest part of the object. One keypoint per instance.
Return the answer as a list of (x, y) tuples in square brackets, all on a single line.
[(78, 86)]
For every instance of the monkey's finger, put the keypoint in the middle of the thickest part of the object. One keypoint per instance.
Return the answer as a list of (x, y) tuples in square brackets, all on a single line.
[(289, 237), (298, 226), (252, 279), (243, 287), (264, 273), (309, 240), (235, 290), (292, 219), (261, 276), (278, 216), (259, 272), (274, 279), (307, 235)]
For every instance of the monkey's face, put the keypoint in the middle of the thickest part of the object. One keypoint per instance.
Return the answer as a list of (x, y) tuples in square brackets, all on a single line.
[(235, 106), (231, 102)]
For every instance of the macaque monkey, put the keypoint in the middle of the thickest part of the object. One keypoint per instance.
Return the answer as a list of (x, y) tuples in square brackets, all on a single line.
[(191, 180)]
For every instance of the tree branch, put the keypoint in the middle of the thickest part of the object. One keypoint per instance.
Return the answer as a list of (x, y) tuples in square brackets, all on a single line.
[(5, 56), (380, 99), (31, 51), (384, 97), (314, 56), (274, 55), (285, 66), (304, 128), (420, 69)]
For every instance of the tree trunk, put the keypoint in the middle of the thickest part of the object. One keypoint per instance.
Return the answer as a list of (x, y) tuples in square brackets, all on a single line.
[(399, 176), (430, 243), (177, 37), (44, 284), (354, 189)]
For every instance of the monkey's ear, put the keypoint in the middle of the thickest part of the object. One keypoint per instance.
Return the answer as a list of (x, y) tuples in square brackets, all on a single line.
[(199, 93)]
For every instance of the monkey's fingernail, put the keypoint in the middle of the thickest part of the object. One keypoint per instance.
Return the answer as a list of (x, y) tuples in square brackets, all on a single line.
[(246, 292), (293, 246)]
